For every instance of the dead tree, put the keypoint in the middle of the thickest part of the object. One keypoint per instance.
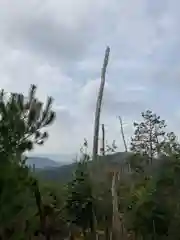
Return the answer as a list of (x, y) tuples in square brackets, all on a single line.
[(103, 141), (122, 133), (98, 105), (40, 207), (118, 229), (115, 216), (96, 125), (124, 140)]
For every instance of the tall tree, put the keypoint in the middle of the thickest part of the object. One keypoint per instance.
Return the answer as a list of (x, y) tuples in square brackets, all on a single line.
[(122, 134), (97, 115), (80, 200), (98, 104), (149, 136), (22, 120)]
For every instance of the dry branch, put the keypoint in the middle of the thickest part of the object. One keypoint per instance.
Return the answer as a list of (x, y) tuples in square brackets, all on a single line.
[(122, 133)]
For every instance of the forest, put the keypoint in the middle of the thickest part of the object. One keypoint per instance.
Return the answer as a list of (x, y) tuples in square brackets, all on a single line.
[(138, 199)]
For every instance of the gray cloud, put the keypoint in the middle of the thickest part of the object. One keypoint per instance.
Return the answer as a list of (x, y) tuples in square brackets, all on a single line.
[(59, 45), (56, 30)]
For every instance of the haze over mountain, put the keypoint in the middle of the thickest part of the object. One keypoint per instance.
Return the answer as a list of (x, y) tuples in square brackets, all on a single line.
[(64, 172), (49, 160), (106, 163)]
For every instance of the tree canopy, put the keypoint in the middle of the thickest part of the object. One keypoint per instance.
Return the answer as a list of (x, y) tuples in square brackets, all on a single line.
[(146, 199)]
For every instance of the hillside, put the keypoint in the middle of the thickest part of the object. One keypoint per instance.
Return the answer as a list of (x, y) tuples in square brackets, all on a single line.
[(64, 173), (42, 162)]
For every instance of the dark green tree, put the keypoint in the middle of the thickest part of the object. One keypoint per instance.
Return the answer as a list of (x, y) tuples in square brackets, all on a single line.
[(149, 136), (171, 146), (154, 197), (22, 120), (80, 202)]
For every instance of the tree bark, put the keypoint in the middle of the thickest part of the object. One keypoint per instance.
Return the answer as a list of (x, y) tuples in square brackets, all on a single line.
[(115, 218), (103, 141), (99, 103), (97, 120), (122, 133)]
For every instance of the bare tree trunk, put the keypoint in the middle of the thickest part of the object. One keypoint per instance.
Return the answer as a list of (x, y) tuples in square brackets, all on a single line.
[(115, 218), (107, 228), (98, 104), (122, 133), (124, 140), (107, 231), (103, 141), (40, 208), (39, 203), (118, 228), (151, 145), (154, 231), (97, 120)]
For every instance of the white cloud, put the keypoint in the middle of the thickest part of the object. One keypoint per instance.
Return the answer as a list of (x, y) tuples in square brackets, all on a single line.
[(59, 45)]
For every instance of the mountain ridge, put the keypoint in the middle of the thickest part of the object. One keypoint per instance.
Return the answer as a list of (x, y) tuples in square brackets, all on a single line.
[(64, 172), (41, 161)]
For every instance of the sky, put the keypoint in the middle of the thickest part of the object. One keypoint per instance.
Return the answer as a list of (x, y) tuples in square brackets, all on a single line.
[(60, 45)]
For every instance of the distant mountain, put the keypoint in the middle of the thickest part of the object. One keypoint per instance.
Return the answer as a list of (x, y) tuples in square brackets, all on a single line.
[(103, 166), (64, 173), (62, 158), (46, 161), (42, 163)]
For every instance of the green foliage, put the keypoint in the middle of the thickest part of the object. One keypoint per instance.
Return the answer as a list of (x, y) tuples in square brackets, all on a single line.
[(16, 200), (80, 200), (148, 196), (153, 200), (147, 213), (21, 121), (149, 136), (171, 146)]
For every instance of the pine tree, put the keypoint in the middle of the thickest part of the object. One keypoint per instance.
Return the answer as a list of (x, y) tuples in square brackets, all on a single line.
[(171, 145), (22, 120), (80, 201), (149, 136)]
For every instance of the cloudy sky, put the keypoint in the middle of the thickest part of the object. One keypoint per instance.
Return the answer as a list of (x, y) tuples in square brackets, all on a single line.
[(59, 45)]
